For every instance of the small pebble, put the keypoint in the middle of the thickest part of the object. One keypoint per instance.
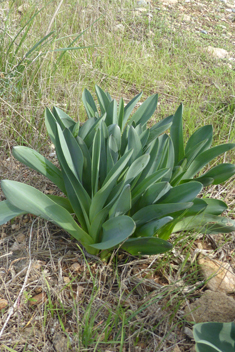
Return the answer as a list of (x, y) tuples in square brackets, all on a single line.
[(204, 32)]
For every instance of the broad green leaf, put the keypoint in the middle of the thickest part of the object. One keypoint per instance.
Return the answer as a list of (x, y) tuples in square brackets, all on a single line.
[(115, 131), (129, 108), (157, 131), (36, 161), (205, 157), (113, 147), (206, 223), (145, 111), (136, 168), (102, 98), (111, 111), (102, 195), (192, 154), (8, 212), (89, 103), (176, 133), (146, 246), (110, 151), (120, 115), (219, 173), (204, 133), (144, 136), (214, 206), (63, 202), (91, 134), (51, 125), (147, 182), (75, 129), (164, 122), (87, 127), (86, 179), (219, 335), (150, 229), (134, 143), (32, 201), (182, 193), (115, 231), (95, 162), (122, 204), (155, 192), (124, 142), (76, 193), (74, 152), (64, 120), (157, 211)]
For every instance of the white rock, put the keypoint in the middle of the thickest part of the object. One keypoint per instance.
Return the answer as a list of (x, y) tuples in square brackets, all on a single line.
[(217, 52), (186, 18), (119, 28), (221, 276)]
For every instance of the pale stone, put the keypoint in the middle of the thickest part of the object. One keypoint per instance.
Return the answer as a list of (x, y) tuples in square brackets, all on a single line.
[(220, 275), (218, 52), (3, 303), (23, 8), (211, 306), (119, 28), (186, 18)]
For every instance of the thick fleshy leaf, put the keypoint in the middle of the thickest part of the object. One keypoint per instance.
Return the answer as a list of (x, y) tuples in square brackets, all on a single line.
[(76, 193), (115, 231), (219, 336), (115, 131), (51, 125), (74, 152), (109, 182), (214, 206), (219, 173), (192, 154), (75, 129), (95, 162), (146, 183), (136, 168), (146, 246), (204, 133), (129, 108), (102, 98), (150, 229), (176, 133), (89, 103), (156, 131), (64, 120), (8, 212), (32, 201), (134, 143), (205, 157), (86, 179), (145, 111), (63, 202), (111, 111), (206, 223), (120, 116), (87, 127), (36, 161), (157, 211), (155, 192), (123, 203), (182, 193)]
